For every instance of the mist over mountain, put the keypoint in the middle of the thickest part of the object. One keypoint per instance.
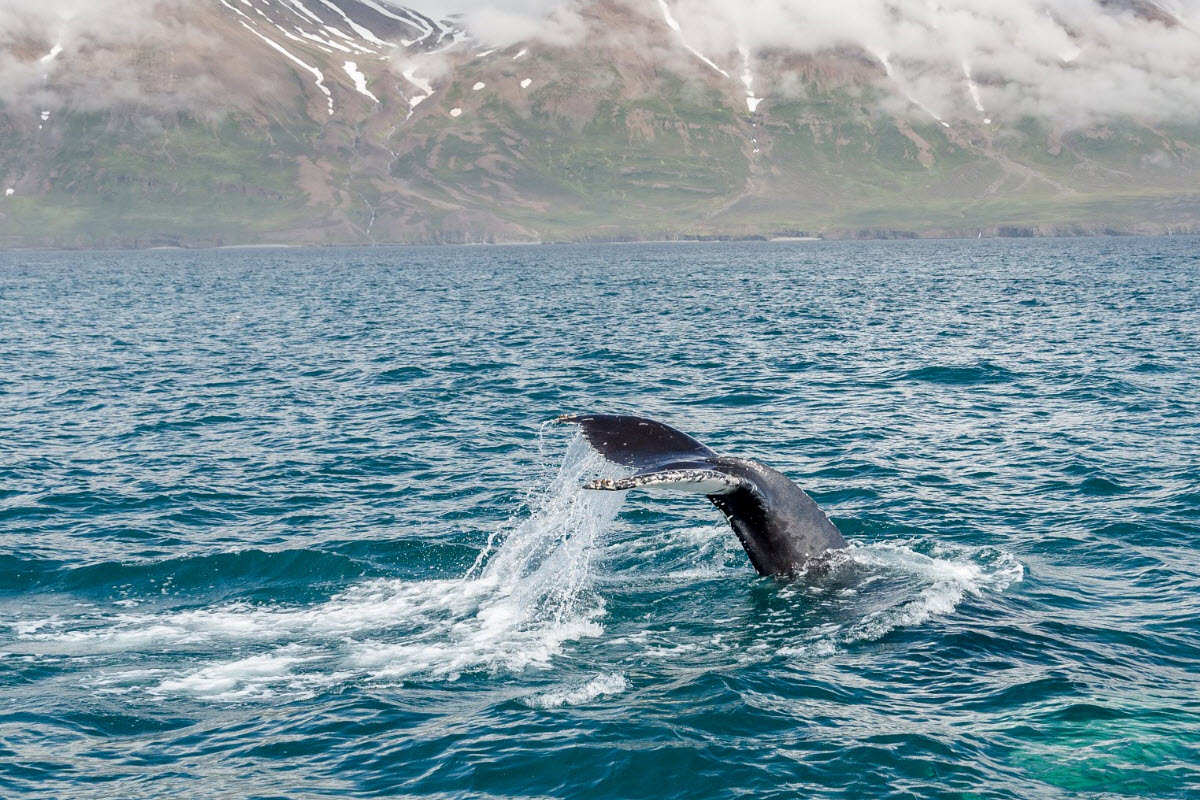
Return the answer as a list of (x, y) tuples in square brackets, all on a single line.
[(1068, 61), (147, 122)]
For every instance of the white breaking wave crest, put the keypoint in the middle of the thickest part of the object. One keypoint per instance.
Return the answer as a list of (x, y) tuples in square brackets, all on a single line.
[(515, 608), (600, 686)]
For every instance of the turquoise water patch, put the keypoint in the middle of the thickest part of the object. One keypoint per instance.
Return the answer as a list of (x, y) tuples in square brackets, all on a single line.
[(1141, 753)]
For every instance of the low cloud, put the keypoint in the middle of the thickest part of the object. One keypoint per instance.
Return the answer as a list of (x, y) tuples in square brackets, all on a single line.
[(94, 54), (1071, 62)]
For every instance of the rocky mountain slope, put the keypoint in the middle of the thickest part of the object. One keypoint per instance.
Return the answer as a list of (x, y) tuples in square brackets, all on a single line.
[(359, 121)]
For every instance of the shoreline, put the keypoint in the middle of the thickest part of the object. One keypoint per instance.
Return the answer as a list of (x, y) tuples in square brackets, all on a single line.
[(884, 236)]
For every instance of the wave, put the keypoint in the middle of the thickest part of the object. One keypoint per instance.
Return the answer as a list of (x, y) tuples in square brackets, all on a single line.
[(537, 587), (961, 375), (601, 686), (241, 568)]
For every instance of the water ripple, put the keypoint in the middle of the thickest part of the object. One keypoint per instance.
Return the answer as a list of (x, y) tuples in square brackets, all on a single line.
[(290, 523)]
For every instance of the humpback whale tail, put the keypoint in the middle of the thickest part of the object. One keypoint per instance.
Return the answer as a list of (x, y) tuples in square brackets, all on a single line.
[(780, 526)]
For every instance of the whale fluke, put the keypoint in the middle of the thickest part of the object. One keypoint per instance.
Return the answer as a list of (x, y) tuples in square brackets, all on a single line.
[(781, 528)]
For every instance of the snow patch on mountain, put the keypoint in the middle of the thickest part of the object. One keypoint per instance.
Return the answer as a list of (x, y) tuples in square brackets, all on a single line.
[(323, 44), (748, 80), (361, 30), (299, 6), (360, 80), (973, 88), (891, 73), (423, 25), (316, 73), (673, 24), (425, 86)]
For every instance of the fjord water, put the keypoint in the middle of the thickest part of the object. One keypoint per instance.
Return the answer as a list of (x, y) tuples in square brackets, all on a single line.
[(291, 523)]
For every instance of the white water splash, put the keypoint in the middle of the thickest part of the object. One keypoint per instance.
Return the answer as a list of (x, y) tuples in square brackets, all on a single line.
[(926, 585), (246, 678), (516, 608), (600, 686)]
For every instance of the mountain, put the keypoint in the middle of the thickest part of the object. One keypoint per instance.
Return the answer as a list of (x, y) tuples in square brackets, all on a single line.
[(360, 121)]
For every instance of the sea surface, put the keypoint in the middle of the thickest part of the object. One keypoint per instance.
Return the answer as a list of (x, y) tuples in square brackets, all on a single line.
[(297, 523)]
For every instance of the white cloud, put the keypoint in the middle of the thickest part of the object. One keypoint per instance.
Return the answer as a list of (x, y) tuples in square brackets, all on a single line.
[(1073, 61), (1070, 61)]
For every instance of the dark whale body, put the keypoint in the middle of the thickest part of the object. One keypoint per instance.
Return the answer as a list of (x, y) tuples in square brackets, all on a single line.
[(780, 526)]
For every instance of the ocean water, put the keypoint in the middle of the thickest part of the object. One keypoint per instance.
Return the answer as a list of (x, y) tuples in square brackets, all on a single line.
[(294, 523)]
